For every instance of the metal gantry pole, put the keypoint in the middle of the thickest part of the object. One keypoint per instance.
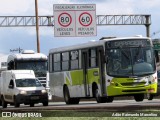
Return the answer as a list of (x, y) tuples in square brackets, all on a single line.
[(147, 25), (37, 27)]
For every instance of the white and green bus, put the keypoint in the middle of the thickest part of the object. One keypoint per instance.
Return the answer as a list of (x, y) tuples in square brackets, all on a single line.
[(103, 69)]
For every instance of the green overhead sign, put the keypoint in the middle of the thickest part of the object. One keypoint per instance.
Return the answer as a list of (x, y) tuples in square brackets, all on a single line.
[(156, 44)]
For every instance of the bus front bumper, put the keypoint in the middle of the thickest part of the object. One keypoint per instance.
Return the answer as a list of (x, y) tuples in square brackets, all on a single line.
[(131, 90)]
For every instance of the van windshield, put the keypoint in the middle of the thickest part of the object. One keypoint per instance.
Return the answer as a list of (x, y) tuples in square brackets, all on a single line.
[(27, 83)]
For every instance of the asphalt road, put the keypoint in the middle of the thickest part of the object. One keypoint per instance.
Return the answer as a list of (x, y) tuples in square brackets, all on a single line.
[(117, 105)]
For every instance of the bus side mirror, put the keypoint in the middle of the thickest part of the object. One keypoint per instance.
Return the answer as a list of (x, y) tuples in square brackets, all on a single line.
[(106, 59), (156, 56)]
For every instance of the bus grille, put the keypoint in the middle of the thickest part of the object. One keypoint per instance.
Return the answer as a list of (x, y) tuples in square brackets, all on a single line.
[(133, 84), (141, 90)]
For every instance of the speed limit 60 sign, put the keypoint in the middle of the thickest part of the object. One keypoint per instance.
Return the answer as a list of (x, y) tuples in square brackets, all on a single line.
[(86, 25), (85, 19), (75, 20)]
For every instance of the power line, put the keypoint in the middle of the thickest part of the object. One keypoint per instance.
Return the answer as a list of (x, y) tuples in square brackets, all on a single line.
[(154, 33)]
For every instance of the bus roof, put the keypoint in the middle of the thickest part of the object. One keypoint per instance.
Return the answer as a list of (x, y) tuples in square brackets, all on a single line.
[(92, 43)]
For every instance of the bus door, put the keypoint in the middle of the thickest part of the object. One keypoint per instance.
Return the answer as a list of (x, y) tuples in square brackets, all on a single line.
[(101, 70), (85, 73)]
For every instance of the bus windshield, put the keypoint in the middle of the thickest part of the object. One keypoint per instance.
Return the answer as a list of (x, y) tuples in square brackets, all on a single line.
[(27, 83), (133, 61), (39, 67)]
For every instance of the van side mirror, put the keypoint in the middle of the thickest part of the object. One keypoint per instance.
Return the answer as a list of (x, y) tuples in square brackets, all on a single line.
[(10, 86)]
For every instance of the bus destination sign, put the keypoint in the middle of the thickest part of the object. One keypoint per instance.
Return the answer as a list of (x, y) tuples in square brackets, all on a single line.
[(122, 43)]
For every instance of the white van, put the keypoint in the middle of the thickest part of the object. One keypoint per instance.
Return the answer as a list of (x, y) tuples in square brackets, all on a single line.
[(21, 86)]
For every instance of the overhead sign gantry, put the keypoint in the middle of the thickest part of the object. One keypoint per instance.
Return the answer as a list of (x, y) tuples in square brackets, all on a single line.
[(101, 20)]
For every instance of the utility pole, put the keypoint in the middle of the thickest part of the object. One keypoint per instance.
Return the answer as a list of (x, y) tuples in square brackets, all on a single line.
[(37, 27)]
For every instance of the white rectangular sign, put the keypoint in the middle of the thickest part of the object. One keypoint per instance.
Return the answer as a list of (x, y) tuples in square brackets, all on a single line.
[(74, 20)]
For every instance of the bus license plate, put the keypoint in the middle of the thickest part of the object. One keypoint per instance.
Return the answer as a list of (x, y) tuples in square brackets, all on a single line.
[(34, 97)]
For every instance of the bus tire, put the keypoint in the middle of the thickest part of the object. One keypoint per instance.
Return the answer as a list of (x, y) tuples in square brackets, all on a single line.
[(31, 104), (4, 103), (66, 94), (98, 98), (75, 100), (149, 96), (109, 99), (139, 97)]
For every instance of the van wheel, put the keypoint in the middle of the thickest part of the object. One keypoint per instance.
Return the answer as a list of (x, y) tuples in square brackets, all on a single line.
[(31, 104), (16, 104), (4, 103), (139, 97), (45, 103)]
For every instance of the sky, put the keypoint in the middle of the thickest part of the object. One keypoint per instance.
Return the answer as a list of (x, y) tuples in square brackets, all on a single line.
[(25, 37)]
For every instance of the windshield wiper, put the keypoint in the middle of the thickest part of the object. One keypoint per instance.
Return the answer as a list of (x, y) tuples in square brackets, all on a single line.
[(138, 52), (124, 53), (149, 73)]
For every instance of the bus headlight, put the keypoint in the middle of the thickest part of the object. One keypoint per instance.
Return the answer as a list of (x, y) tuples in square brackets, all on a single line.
[(43, 91), (154, 79), (23, 92), (112, 83), (151, 90)]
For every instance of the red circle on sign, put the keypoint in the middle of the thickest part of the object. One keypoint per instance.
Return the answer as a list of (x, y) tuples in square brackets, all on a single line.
[(68, 22), (80, 19)]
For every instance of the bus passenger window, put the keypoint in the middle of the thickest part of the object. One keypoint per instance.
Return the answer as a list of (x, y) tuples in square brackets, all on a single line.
[(74, 59), (65, 61), (57, 62), (92, 58)]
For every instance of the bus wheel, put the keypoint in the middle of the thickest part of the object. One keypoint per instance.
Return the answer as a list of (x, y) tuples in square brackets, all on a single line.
[(4, 103), (98, 98), (67, 98), (75, 100), (149, 96), (31, 104), (139, 97), (109, 99)]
